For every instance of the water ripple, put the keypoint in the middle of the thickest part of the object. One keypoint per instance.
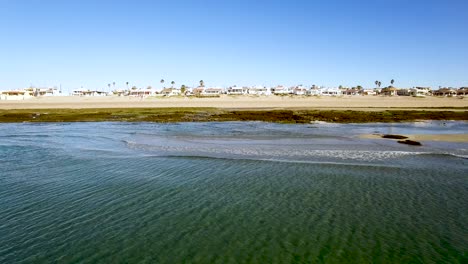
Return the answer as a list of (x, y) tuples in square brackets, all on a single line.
[(172, 193)]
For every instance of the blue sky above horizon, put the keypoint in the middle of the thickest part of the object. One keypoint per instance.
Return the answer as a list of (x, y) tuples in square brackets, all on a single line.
[(93, 43)]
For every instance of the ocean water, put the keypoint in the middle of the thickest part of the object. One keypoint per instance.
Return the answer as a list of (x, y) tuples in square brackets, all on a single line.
[(231, 192)]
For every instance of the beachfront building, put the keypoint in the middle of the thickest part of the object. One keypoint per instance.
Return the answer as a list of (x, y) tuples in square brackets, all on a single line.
[(82, 92), (197, 91), (120, 92), (171, 92), (234, 90), (142, 92), (259, 90), (391, 91), (369, 92), (403, 92), (97, 93), (420, 91), (188, 91), (462, 91), (445, 92), (353, 91), (207, 92), (314, 90), (16, 94), (299, 90), (281, 90), (51, 91), (330, 91)]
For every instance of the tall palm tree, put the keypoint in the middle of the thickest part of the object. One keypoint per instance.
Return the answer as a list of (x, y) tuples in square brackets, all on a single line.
[(202, 83), (113, 85), (376, 83), (127, 85), (172, 84), (392, 82), (108, 85)]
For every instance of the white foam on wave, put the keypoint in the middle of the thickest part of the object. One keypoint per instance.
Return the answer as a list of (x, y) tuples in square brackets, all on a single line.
[(269, 152)]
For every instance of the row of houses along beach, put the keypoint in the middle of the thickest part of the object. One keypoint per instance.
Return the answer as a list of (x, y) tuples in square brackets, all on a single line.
[(202, 91)]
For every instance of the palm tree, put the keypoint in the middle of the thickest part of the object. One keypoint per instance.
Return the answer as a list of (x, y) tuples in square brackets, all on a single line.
[(202, 83), (109, 85), (113, 85), (172, 84), (127, 85), (379, 84), (376, 83), (392, 81), (183, 88), (162, 81)]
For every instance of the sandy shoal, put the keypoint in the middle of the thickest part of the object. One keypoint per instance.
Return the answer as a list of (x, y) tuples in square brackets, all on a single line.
[(426, 137), (371, 103)]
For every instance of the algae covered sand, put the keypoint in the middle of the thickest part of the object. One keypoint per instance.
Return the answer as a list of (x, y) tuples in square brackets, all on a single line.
[(219, 115)]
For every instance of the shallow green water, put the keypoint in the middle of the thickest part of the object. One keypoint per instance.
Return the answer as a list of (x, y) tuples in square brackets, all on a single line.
[(221, 193)]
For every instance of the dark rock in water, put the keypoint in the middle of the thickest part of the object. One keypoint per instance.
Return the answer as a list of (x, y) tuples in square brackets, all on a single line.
[(394, 136), (410, 142)]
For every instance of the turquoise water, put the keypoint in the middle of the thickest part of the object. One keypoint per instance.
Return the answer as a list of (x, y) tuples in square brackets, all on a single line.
[(231, 193)]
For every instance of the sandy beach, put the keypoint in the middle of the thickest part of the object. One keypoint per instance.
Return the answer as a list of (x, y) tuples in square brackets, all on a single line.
[(369, 103), (226, 108)]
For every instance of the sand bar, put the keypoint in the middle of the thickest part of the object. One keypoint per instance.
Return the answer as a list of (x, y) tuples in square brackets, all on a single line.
[(426, 137)]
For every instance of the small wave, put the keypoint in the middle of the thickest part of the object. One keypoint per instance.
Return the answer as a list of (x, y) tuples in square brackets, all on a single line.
[(25, 136), (444, 154), (253, 159), (380, 165), (267, 152), (99, 150)]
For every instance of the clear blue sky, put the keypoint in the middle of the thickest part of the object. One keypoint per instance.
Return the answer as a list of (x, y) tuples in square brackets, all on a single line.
[(91, 43)]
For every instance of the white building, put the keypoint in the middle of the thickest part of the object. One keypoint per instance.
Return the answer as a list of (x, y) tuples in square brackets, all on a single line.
[(281, 90), (369, 92), (234, 90), (314, 91), (420, 91), (259, 90), (83, 92), (51, 91), (142, 92), (330, 91), (16, 94), (171, 92), (299, 90), (209, 92)]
